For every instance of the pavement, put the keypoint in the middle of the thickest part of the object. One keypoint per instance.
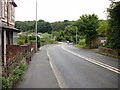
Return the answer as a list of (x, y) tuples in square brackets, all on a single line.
[(40, 73)]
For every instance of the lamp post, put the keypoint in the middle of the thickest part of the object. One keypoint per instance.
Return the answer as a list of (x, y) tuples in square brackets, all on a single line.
[(76, 36), (36, 25)]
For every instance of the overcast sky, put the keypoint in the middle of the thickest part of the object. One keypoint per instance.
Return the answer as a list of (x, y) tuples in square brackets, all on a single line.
[(59, 10)]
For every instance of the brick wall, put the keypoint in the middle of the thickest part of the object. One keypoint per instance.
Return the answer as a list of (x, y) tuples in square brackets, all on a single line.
[(15, 54)]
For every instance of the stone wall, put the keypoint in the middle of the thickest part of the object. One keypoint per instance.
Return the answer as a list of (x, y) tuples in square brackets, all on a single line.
[(108, 50)]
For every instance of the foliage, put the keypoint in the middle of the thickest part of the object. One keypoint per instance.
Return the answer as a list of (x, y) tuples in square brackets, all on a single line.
[(80, 46), (57, 26), (47, 39), (25, 38), (29, 26), (70, 33), (22, 39), (60, 35), (27, 55), (32, 38), (25, 25), (43, 26), (82, 42), (6, 83), (106, 45), (16, 74), (103, 28), (21, 42), (114, 31), (87, 25)]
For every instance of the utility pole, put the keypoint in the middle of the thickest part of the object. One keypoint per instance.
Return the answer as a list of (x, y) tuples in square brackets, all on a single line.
[(76, 36), (36, 25)]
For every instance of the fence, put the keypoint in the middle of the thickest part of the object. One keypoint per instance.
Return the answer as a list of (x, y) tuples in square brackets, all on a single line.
[(15, 54)]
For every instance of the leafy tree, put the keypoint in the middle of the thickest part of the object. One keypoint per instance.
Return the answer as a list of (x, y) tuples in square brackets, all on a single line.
[(44, 26), (114, 31), (87, 25), (22, 39), (60, 35), (56, 26), (47, 39), (103, 28), (25, 25), (29, 26), (70, 33)]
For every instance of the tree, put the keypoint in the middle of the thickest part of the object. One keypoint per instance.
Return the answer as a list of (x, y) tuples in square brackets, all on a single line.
[(29, 26), (103, 28), (25, 25), (114, 31), (44, 26), (87, 25), (47, 39), (60, 35), (70, 33), (56, 26)]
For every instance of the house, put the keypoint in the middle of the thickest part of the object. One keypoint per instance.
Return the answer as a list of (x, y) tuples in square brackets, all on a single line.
[(7, 31)]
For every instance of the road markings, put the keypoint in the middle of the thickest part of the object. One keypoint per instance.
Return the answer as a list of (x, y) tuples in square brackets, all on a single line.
[(58, 77), (111, 68)]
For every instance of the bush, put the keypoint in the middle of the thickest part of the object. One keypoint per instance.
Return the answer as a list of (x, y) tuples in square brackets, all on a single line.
[(80, 46), (82, 42), (106, 45), (8, 82), (20, 42)]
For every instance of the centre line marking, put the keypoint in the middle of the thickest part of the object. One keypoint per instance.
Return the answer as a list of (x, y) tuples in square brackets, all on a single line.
[(111, 68)]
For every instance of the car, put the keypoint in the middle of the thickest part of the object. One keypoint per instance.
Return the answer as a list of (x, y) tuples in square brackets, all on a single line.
[(67, 42)]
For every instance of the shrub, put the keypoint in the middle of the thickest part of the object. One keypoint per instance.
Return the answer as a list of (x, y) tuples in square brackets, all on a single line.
[(20, 42), (8, 82), (82, 42)]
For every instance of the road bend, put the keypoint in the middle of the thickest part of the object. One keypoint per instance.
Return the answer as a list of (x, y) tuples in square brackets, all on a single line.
[(80, 68)]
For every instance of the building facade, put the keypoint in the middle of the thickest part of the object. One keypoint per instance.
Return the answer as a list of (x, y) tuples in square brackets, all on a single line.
[(7, 30)]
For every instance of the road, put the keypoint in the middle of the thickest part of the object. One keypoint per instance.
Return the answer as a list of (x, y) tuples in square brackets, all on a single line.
[(80, 68)]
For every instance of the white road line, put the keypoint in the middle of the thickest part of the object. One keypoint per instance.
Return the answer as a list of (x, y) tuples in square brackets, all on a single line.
[(54, 69), (111, 68)]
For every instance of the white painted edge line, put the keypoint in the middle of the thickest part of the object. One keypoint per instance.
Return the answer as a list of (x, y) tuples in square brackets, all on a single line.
[(53, 69), (111, 68)]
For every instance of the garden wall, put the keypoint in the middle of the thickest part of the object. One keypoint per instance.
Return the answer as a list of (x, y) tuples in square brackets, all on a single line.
[(108, 50), (15, 54)]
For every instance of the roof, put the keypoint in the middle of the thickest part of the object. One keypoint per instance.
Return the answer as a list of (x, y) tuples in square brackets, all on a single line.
[(10, 28)]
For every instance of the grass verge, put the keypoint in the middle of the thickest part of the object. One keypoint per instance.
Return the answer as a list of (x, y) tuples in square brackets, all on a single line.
[(80, 46)]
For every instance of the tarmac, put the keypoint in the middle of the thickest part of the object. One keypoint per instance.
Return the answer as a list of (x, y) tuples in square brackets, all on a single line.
[(39, 73)]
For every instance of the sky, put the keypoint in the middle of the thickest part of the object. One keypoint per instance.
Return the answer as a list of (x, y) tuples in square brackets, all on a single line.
[(59, 10)]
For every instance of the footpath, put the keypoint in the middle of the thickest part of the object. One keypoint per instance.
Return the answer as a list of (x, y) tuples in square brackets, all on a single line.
[(39, 73)]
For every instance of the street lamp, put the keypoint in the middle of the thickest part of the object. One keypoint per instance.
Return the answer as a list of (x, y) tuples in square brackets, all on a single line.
[(76, 36), (36, 25)]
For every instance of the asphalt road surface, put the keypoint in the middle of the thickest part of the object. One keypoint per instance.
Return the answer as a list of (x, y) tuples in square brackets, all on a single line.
[(80, 68)]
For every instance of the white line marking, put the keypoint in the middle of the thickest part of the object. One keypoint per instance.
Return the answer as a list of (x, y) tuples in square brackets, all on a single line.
[(53, 69), (94, 61)]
